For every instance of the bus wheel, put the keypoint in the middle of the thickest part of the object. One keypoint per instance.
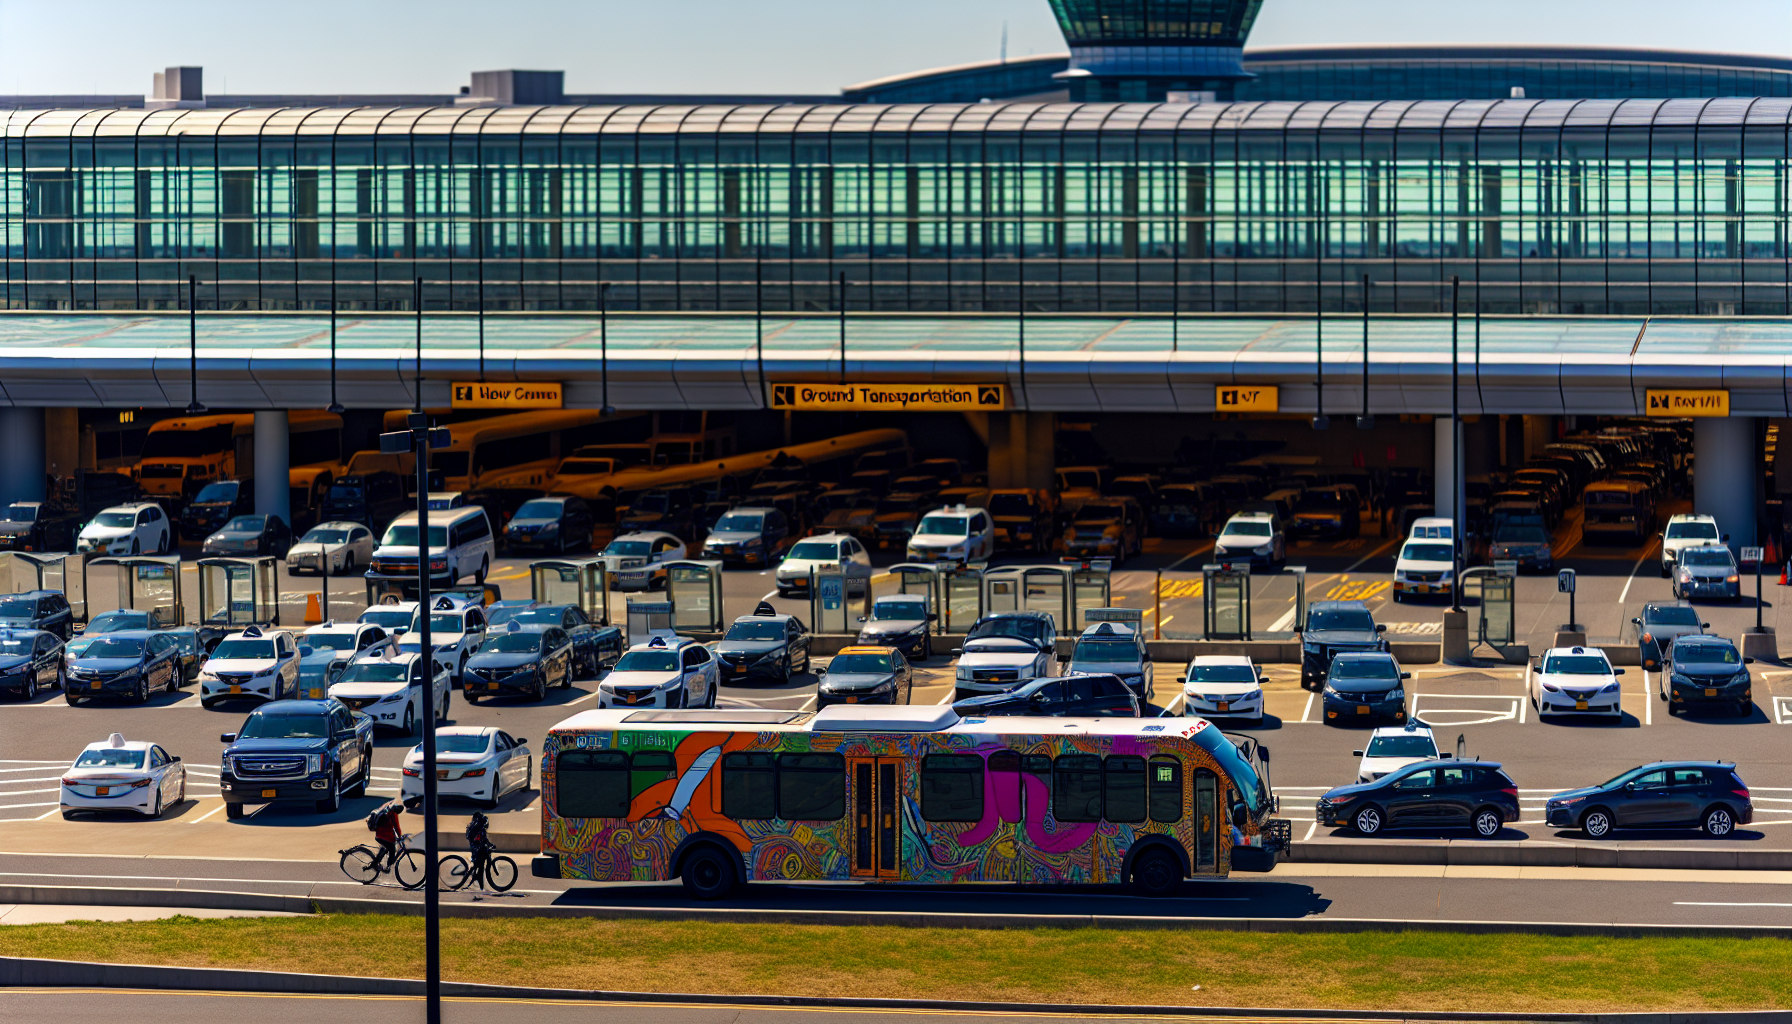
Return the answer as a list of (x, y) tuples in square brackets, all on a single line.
[(708, 873), (1155, 872)]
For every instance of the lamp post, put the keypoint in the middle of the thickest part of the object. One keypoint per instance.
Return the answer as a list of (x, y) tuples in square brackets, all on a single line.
[(193, 406), (759, 329), (1320, 420), (1456, 538), (335, 408), (843, 328), (603, 342), (1366, 421)]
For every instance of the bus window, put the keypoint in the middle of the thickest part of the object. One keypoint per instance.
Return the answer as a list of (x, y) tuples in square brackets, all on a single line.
[(811, 787), (749, 787), (1076, 788), (648, 768), (592, 784), (1123, 788), (1207, 821), (1004, 783), (1166, 790), (952, 787)]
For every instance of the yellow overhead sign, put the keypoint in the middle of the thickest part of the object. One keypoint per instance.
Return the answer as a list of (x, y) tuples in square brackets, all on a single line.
[(1679, 404), (532, 395), (1247, 398), (890, 397)]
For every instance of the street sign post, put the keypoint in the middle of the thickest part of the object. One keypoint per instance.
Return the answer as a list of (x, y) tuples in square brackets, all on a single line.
[(1755, 556), (1565, 585)]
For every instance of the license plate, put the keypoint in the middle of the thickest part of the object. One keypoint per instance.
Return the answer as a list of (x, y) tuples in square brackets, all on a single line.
[(94, 685), (236, 689), (1421, 588), (630, 698), (1362, 709), (852, 700), (268, 793), (316, 694), (1709, 692), (1225, 705), (441, 775), (1580, 705), (102, 790), (740, 670)]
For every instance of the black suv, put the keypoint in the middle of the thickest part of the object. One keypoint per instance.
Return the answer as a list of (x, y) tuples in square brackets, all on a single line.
[(1706, 795), (1091, 695), (1429, 795), (216, 503), (552, 525), (1333, 628), (37, 526), (47, 610), (1706, 671)]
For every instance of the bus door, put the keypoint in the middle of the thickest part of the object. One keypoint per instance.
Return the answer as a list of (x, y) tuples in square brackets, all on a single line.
[(1208, 822), (876, 818)]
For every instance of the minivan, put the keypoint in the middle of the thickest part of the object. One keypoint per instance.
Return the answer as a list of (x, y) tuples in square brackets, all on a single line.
[(460, 545)]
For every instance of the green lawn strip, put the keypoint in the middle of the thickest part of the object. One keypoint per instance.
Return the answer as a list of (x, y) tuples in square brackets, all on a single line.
[(1377, 970)]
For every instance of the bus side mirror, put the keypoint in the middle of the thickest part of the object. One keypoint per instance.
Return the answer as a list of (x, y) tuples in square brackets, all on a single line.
[(1239, 815), (1261, 749)]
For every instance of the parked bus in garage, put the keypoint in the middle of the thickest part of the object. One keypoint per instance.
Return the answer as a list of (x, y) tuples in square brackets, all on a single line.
[(521, 449), (181, 455), (900, 794)]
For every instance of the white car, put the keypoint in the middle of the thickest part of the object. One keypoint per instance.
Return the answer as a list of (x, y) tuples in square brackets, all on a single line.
[(326, 646), (1223, 686), (1115, 648), (1394, 747), (137, 529), (953, 534), (456, 628), (121, 775), (1685, 531), (476, 762), (1424, 567), (252, 663), (388, 688), (394, 618), (633, 560), (1575, 681), (1254, 538), (440, 501), (810, 554), (334, 548), (665, 672)]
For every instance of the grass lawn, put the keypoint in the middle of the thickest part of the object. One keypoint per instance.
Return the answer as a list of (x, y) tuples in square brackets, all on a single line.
[(1386, 970)]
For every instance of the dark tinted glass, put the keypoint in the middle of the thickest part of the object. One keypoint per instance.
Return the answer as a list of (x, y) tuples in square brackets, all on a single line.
[(1123, 788), (1076, 788), (1165, 781), (749, 786), (952, 787), (811, 787), (592, 784)]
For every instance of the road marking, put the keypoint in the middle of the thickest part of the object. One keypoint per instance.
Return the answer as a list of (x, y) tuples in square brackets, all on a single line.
[(1648, 702), (215, 810), (1483, 716), (14, 807), (1283, 623), (1782, 710), (1307, 711), (47, 813), (1312, 828), (1358, 590), (581, 700), (1689, 903)]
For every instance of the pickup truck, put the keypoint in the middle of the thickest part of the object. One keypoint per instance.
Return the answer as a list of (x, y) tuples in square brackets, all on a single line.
[(289, 751)]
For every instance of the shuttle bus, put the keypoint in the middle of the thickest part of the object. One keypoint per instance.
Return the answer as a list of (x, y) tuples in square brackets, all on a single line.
[(184, 453), (905, 793)]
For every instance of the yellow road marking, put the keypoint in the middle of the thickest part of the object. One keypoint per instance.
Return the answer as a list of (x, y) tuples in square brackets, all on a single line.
[(1357, 590)]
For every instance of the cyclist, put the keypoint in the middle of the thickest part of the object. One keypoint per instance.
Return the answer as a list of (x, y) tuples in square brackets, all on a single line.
[(479, 843), (387, 831)]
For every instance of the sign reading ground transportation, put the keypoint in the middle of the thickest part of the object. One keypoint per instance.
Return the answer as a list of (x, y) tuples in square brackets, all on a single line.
[(532, 395), (1676, 404), (1247, 398), (890, 397)]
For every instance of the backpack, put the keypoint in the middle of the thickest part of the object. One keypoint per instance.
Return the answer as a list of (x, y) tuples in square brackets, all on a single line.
[(378, 818)]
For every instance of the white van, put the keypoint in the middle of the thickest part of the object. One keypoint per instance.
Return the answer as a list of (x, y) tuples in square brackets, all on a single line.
[(460, 545)]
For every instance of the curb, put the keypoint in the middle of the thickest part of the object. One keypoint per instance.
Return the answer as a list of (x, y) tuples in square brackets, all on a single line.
[(1451, 852), (21, 972)]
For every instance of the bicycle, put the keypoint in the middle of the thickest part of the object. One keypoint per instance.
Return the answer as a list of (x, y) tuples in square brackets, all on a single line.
[(361, 863), (491, 873)]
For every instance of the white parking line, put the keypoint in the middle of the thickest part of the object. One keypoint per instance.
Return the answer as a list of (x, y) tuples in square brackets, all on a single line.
[(1688, 903), (1782, 710), (1478, 716), (215, 810), (1306, 713)]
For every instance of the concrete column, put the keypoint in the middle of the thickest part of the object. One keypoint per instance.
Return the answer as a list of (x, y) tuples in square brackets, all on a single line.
[(273, 462), (1021, 449), (1445, 485), (22, 439), (1042, 456), (1725, 470), (62, 442)]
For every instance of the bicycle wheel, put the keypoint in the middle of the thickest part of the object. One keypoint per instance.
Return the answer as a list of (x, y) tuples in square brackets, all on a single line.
[(452, 872), (500, 873), (358, 865), (412, 869)]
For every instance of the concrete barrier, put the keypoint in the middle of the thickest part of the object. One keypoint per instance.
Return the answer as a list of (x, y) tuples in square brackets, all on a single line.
[(505, 842), (192, 899)]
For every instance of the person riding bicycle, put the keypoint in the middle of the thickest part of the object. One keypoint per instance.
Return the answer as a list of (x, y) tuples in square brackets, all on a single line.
[(387, 832), (479, 843)]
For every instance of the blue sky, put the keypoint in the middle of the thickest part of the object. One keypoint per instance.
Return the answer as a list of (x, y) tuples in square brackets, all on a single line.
[(790, 46)]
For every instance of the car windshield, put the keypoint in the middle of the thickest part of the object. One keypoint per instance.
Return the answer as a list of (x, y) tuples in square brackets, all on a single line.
[(1099, 513), (323, 536), (1105, 650), (648, 661), (755, 631), (17, 608), (1357, 619), (1707, 556), (627, 547), (109, 757), (285, 727), (736, 522), (1417, 745), (1692, 531), (19, 514), (116, 520), (390, 618), (1364, 668), (1222, 674), (376, 672), (1010, 505), (1706, 654), (1671, 615), (534, 616), (539, 510), (1027, 629), (457, 745), (816, 550), (17, 645), (1521, 535), (331, 641), (449, 622), (1576, 665), (112, 622), (242, 647), (114, 647), (217, 492), (246, 524), (1427, 553), (520, 642), (944, 526), (404, 535), (890, 608), (844, 663), (1253, 528)]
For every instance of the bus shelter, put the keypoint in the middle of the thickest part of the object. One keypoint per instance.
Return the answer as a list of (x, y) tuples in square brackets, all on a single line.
[(695, 590), (1494, 592), (239, 591), (148, 583), (583, 583), (1091, 582), (911, 578), (24, 570), (830, 609), (647, 619), (1226, 602), (1065, 591), (961, 598)]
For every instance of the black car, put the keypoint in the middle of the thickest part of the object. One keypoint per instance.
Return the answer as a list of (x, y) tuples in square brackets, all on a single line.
[(595, 647), (47, 610), (127, 665), (519, 660), (298, 751), (217, 503), (1660, 624), (1706, 795), (124, 619), (251, 535), (372, 498), (37, 526), (1333, 628), (30, 660), (1444, 794), (556, 525), (1090, 695), (195, 643), (901, 621), (1365, 688), (763, 645), (865, 675), (1706, 672), (501, 503)]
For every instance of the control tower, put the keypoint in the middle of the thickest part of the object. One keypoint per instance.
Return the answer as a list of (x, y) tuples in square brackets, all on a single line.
[(1147, 50)]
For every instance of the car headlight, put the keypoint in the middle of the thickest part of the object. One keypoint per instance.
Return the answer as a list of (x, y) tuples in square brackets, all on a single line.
[(314, 763), (1565, 801), (964, 675), (1261, 549), (1611, 687), (1397, 693), (1732, 578), (392, 698), (753, 542), (229, 764), (549, 530)]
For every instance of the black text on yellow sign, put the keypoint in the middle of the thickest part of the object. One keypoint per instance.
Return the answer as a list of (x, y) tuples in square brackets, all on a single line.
[(1247, 398), (533, 395), (1678, 404), (891, 397)]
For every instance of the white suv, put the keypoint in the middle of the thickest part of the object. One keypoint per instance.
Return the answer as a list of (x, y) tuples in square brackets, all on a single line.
[(138, 529), (252, 663), (456, 628), (825, 549), (665, 672), (953, 534), (1685, 531), (387, 686), (1254, 538)]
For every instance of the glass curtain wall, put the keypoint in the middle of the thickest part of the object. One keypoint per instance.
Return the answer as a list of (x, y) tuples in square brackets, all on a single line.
[(1569, 207)]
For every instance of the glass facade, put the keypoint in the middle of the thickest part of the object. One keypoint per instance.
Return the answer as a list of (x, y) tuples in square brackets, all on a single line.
[(1574, 207), (1148, 22), (1454, 73)]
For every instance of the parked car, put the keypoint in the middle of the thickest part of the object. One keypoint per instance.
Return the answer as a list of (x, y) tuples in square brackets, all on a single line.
[(1116, 649), (894, 520), (129, 665), (1023, 519), (387, 686), (1574, 681), (750, 535), (664, 672), (595, 647), (459, 544), (901, 621), (637, 561), (216, 503), (554, 525), (334, 547), (1365, 688), (1618, 510), (480, 763), (457, 626), (1088, 695), (1527, 543), (47, 610), (1106, 528), (1252, 538), (1446, 794), (1707, 795), (137, 529), (1330, 510), (1657, 627), (776, 646), (865, 674), (1222, 686), (301, 751), (1425, 568), (30, 660), (1682, 532), (122, 619), (37, 526), (123, 775), (1003, 650), (1333, 628), (252, 663), (250, 535), (1706, 672), (829, 550), (1393, 747), (519, 661), (1707, 572), (954, 533)]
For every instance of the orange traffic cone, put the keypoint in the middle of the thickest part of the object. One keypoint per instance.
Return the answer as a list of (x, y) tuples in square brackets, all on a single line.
[(315, 614), (1783, 572)]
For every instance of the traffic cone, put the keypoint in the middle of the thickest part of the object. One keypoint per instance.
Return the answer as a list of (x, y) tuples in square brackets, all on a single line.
[(1783, 572), (315, 614)]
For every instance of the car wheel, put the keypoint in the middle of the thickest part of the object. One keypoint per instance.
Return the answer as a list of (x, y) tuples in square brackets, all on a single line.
[(1368, 821), (1745, 709), (708, 873), (155, 811), (233, 810), (31, 687), (1597, 823), (1488, 823), (485, 567), (141, 694), (540, 693), (1719, 822), (789, 669), (359, 789), (1156, 872), (410, 721), (332, 802), (136, 548), (174, 680)]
